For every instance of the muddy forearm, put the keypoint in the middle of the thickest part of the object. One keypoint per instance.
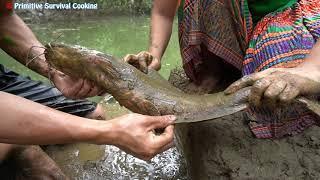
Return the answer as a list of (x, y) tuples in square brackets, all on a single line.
[(162, 17), (25, 122), (16, 39)]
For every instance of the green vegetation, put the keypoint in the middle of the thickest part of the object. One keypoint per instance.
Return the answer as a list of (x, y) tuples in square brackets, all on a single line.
[(126, 6)]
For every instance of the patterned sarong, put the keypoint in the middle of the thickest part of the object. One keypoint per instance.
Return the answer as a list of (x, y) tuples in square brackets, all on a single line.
[(280, 39)]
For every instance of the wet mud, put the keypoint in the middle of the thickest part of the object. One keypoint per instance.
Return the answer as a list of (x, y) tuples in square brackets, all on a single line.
[(226, 149)]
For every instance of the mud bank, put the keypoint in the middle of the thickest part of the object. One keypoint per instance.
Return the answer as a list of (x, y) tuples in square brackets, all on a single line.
[(226, 149)]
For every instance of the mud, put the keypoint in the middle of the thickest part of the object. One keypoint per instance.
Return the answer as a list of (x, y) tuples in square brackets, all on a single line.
[(220, 149), (226, 149)]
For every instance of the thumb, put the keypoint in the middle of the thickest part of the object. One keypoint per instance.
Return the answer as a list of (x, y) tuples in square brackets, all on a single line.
[(130, 58), (157, 122), (249, 80), (155, 64)]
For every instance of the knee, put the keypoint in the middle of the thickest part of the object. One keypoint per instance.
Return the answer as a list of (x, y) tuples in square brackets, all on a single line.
[(98, 113)]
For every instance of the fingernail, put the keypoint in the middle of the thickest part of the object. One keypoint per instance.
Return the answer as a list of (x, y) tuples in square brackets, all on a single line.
[(228, 91), (172, 118)]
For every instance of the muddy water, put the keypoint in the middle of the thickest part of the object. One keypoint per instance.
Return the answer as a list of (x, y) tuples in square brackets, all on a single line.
[(117, 36), (86, 161)]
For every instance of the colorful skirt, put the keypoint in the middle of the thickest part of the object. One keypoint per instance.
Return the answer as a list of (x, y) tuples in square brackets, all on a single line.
[(281, 39)]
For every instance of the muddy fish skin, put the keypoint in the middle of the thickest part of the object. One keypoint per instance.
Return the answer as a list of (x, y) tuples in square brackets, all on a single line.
[(148, 94)]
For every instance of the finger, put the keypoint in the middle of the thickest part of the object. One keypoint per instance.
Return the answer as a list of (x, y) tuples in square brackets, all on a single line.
[(166, 137), (102, 92), (149, 58), (288, 94), (72, 91), (94, 91), (243, 82), (143, 65), (274, 90), (130, 58), (145, 59), (258, 90), (133, 60), (155, 64), (84, 90), (157, 122), (165, 147), (248, 80), (145, 55)]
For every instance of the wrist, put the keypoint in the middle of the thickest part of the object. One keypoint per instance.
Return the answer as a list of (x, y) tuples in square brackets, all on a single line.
[(97, 132), (154, 51), (310, 68)]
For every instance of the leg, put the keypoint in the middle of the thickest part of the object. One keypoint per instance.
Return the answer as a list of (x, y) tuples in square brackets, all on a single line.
[(28, 162), (214, 74)]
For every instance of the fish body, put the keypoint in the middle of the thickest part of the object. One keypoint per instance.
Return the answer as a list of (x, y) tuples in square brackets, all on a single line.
[(148, 94)]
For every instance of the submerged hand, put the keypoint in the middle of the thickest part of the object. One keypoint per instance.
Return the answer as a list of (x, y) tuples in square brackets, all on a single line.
[(134, 133), (283, 84), (143, 61), (72, 87)]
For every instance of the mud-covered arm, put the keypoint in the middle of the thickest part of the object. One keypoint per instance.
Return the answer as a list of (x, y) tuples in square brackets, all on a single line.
[(16, 39), (25, 122)]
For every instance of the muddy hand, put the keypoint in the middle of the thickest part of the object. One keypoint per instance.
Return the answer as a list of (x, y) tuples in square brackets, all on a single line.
[(143, 61), (275, 84), (135, 134)]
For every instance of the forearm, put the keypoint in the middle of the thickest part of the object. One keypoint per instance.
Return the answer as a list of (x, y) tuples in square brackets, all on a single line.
[(162, 17), (25, 122), (17, 40), (313, 59), (311, 65)]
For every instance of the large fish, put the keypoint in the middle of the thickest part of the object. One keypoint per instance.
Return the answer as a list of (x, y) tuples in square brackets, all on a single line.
[(150, 93)]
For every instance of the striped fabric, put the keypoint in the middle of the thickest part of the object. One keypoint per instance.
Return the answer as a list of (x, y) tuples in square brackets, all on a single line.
[(280, 39), (212, 24)]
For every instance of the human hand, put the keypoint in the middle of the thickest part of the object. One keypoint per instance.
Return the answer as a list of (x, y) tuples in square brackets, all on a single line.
[(134, 133), (283, 84), (74, 88), (143, 61)]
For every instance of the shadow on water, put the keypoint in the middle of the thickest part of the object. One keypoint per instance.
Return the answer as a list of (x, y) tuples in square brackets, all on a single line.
[(117, 36)]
